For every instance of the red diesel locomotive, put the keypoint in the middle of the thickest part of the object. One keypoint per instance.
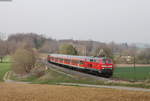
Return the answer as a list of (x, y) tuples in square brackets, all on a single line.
[(101, 65)]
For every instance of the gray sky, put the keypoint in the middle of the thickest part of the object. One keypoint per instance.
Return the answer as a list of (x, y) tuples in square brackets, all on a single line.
[(101, 20)]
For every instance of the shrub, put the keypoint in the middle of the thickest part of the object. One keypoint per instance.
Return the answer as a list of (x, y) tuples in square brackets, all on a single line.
[(23, 61)]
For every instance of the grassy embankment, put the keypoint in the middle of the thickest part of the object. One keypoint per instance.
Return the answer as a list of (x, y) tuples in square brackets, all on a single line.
[(132, 74), (53, 77), (4, 67)]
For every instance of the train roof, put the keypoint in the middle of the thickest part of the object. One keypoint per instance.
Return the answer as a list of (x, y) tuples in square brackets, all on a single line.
[(77, 57)]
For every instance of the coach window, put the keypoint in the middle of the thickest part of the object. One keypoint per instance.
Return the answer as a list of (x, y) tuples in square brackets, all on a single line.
[(91, 60), (61, 59), (75, 61), (109, 61), (104, 60), (97, 61), (68, 61), (56, 59), (94, 60), (65, 60)]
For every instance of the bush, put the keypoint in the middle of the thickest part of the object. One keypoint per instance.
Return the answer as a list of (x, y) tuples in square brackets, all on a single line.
[(23, 61), (39, 70)]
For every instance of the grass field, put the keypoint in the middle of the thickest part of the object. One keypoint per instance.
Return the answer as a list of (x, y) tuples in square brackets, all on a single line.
[(37, 92), (4, 67), (129, 73), (53, 77)]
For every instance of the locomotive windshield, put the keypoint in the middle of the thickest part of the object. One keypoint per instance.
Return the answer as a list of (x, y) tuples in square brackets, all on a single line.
[(109, 61)]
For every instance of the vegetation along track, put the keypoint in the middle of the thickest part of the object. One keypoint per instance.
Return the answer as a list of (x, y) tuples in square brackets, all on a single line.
[(77, 73)]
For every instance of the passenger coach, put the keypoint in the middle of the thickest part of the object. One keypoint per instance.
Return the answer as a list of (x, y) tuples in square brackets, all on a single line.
[(100, 65)]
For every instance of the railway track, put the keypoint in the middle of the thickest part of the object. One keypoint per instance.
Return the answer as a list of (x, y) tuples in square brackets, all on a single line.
[(76, 73)]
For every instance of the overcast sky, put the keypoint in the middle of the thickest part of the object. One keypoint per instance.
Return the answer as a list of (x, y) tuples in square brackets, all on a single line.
[(100, 20)]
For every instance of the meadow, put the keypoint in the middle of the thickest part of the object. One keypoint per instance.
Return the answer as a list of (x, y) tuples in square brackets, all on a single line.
[(4, 67), (132, 74)]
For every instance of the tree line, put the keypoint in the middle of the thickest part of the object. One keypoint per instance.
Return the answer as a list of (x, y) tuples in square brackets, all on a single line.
[(119, 52)]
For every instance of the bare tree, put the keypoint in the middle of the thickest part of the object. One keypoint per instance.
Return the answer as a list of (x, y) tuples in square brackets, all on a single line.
[(24, 60), (144, 56), (103, 51), (68, 49), (49, 47)]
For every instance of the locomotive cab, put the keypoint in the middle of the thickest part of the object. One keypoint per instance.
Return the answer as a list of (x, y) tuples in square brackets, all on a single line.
[(107, 67)]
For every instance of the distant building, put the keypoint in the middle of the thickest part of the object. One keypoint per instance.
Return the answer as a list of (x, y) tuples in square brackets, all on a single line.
[(126, 59)]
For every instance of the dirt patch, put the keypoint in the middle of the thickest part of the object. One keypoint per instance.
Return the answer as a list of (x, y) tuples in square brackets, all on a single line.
[(36, 92)]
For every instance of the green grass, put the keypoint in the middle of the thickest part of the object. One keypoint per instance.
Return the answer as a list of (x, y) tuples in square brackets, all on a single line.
[(126, 73), (4, 67), (129, 73), (52, 77)]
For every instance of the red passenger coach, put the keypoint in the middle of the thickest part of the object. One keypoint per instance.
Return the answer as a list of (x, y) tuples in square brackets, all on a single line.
[(101, 65)]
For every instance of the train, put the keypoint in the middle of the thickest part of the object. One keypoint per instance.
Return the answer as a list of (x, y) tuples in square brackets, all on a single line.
[(102, 66)]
